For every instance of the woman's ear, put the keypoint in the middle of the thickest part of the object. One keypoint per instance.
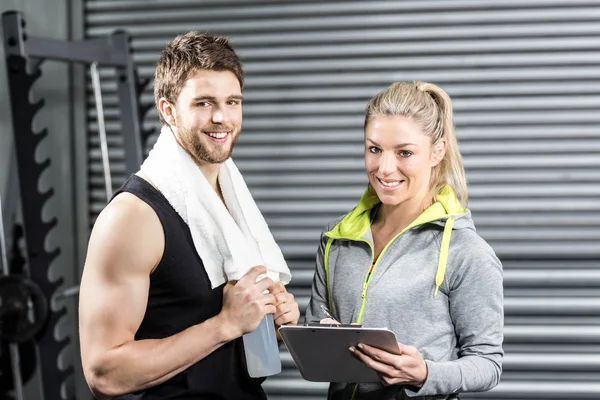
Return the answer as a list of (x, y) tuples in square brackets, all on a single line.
[(167, 111), (439, 151)]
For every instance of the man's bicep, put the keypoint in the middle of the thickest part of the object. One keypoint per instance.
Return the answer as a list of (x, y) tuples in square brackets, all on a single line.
[(113, 304), (115, 282)]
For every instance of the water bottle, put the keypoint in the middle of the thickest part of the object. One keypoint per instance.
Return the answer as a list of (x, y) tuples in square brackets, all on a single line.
[(262, 350)]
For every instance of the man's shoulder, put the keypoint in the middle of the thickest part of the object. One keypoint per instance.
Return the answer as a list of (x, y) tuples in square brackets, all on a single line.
[(127, 207), (129, 231), (128, 217)]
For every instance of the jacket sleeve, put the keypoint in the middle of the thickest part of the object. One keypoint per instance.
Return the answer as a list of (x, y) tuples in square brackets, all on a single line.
[(477, 311), (319, 288)]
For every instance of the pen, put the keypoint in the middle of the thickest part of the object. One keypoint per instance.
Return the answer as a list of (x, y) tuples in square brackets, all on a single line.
[(328, 314)]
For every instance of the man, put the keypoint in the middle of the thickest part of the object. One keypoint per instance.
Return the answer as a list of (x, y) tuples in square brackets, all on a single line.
[(151, 325)]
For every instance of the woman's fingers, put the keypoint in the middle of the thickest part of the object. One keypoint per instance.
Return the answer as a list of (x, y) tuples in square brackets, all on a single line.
[(377, 365), (380, 355)]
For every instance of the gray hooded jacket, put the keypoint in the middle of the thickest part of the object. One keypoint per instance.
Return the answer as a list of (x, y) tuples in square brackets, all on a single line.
[(437, 285)]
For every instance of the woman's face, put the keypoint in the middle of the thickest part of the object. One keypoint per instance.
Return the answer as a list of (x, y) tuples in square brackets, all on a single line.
[(399, 159)]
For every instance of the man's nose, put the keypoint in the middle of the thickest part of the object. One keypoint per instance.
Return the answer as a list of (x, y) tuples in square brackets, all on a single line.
[(218, 115)]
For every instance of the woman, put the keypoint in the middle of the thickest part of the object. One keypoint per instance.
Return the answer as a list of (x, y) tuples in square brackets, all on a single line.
[(408, 258)]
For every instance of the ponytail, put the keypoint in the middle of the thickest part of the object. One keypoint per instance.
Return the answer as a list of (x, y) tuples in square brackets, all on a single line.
[(451, 169)]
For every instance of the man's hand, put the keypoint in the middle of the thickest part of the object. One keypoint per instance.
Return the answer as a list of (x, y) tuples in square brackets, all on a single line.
[(287, 311), (245, 303)]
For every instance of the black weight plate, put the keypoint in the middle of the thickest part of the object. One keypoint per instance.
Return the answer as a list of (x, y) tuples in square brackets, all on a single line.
[(28, 363), (23, 309)]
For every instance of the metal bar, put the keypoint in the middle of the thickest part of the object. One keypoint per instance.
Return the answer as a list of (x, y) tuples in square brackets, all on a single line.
[(68, 292), (11, 199), (3, 253), (85, 51), (130, 110), (12, 25), (15, 359), (80, 183), (82, 51), (101, 130)]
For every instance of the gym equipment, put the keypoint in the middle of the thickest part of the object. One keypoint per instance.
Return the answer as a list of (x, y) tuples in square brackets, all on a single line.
[(28, 362), (23, 309), (24, 54), (13, 347), (101, 129)]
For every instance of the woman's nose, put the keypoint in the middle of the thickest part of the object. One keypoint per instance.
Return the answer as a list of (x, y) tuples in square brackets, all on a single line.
[(387, 164)]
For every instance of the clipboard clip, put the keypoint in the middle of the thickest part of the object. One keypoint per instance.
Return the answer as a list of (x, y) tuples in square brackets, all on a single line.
[(334, 325)]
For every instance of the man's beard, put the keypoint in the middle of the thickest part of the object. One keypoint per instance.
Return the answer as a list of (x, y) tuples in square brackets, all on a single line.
[(199, 150)]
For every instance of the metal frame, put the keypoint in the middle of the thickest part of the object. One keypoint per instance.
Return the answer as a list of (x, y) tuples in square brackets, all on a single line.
[(112, 51), (80, 179), (79, 146), (11, 197), (24, 55)]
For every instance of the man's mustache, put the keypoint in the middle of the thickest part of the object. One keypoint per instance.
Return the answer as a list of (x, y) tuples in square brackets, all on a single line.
[(217, 128)]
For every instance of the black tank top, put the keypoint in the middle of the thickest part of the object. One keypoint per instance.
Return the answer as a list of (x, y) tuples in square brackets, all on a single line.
[(181, 296)]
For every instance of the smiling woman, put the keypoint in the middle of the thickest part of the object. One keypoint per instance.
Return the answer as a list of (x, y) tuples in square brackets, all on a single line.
[(410, 246), (399, 159)]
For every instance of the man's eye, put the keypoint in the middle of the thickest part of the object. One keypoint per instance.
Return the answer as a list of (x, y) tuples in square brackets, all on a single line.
[(233, 102), (203, 104)]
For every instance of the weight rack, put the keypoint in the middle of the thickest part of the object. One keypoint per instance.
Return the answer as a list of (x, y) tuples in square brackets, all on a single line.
[(24, 55)]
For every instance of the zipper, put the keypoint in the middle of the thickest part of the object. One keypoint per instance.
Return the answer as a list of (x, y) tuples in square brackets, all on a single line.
[(371, 271), (374, 264), (367, 280)]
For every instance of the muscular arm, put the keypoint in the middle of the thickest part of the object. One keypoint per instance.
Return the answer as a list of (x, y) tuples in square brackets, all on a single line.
[(125, 246)]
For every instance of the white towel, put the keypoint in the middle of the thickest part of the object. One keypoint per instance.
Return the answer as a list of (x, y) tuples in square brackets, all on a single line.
[(228, 242)]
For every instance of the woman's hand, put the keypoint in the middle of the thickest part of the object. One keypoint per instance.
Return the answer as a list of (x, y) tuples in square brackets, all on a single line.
[(406, 368)]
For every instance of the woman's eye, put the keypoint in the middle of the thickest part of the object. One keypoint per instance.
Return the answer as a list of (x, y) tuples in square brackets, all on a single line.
[(405, 153), (374, 150)]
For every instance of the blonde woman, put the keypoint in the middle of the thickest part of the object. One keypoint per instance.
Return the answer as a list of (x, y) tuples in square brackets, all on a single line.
[(408, 258)]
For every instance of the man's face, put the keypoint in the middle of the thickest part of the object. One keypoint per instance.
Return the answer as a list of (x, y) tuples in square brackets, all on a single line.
[(209, 115)]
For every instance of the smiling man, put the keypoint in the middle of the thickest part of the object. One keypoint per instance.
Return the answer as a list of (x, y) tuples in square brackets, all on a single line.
[(160, 315)]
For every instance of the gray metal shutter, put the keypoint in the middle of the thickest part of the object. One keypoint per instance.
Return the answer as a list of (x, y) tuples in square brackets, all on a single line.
[(525, 79)]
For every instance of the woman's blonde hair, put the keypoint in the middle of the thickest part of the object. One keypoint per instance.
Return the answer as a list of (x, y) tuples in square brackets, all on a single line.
[(430, 107)]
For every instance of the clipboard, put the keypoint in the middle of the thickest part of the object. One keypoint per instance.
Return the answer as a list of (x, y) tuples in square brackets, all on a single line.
[(322, 353)]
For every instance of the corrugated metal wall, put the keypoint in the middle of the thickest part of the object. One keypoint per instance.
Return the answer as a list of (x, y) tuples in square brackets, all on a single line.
[(525, 79)]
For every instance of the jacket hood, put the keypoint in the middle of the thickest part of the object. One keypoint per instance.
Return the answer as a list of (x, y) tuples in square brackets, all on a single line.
[(446, 211), (358, 221)]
